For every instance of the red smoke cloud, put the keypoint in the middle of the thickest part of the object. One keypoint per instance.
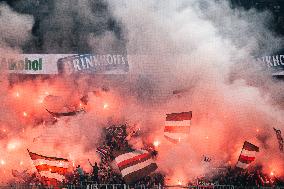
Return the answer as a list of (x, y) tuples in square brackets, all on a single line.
[(228, 108)]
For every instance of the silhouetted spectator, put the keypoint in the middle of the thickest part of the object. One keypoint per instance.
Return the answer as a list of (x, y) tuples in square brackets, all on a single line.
[(81, 174), (95, 173)]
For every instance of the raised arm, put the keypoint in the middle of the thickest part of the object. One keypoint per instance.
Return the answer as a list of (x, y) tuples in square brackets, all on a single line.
[(90, 163)]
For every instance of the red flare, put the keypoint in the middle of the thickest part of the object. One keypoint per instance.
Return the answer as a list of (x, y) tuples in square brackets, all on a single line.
[(25, 114)]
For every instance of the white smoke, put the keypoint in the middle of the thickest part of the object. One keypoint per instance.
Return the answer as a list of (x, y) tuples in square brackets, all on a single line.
[(15, 28), (207, 48)]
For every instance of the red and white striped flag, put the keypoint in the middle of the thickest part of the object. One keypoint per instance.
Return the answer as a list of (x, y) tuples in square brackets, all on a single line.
[(177, 126), (51, 169), (135, 165), (247, 155)]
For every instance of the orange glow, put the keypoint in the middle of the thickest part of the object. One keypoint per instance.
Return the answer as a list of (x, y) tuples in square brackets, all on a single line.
[(17, 94), (271, 173), (156, 143), (46, 93), (25, 114), (21, 162), (2, 162), (179, 183), (257, 130), (13, 145), (105, 105), (207, 137)]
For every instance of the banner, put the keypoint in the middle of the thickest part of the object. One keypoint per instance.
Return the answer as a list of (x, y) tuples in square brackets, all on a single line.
[(177, 126), (51, 169), (275, 62), (247, 155), (89, 63), (29, 63), (135, 165), (92, 63), (64, 63)]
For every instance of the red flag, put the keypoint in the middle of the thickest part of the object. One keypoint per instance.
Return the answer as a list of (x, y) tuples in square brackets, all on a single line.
[(247, 155), (135, 165), (177, 126), (51, 169)]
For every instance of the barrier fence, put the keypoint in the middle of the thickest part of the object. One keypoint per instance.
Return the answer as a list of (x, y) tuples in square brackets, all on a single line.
[(124, 186)]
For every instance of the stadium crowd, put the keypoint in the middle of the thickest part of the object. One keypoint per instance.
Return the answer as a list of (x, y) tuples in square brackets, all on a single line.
[(116, 139)]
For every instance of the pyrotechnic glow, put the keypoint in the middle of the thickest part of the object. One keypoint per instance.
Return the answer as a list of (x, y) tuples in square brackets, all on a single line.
[(271, 173), (105, 105), (13, 145), (179, 182), (2, 162), (257, 130), (17, 94), (25, 114), (156, 143), (21, 162), (207, 137), (46, 93)]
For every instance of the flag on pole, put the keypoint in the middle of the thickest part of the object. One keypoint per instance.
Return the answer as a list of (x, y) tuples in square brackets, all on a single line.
[(247, 155), (51, 169), (177, 126), (104, 152), (135, 165), (279, 138)]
